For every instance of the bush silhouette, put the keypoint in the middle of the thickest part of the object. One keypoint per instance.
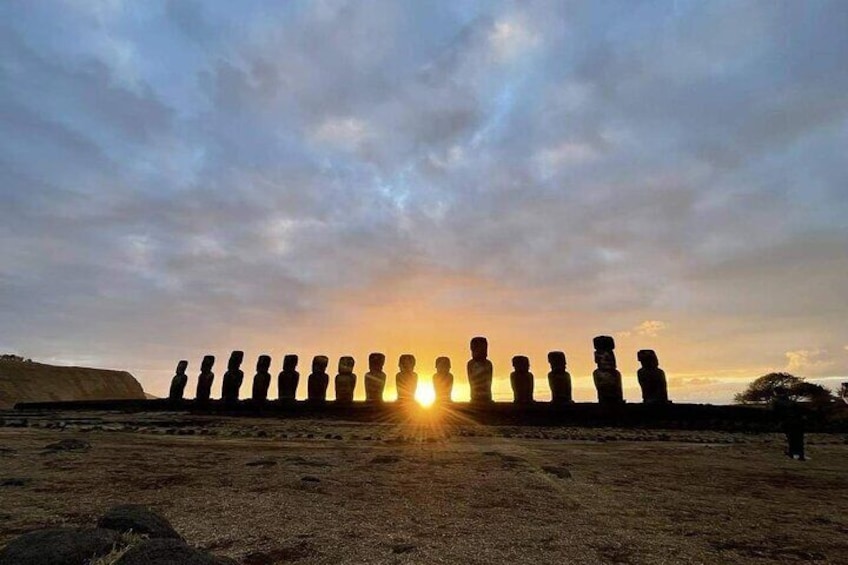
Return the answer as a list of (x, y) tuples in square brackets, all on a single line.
[(763, 388)]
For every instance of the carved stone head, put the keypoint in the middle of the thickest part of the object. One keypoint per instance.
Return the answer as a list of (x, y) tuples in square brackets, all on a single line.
[(443, 365), (263, 363), (556, 359), (648, 358), (289, 363), (319, 364), (521, 363), (181, 367), (376, 362), (236, 357), (406, 362), (346, 364), (479, 348), (207, 363), (605, 359), (604, 343)]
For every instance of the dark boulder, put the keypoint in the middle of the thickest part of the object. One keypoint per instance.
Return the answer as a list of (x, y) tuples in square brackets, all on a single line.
[(139, 520), (59, 546), (169, 552)]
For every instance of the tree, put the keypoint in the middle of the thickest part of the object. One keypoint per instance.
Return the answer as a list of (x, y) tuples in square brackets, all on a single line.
[(15, 358), (762, 389)]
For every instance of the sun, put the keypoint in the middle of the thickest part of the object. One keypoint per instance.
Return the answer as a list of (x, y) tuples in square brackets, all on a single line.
[(425, 395)]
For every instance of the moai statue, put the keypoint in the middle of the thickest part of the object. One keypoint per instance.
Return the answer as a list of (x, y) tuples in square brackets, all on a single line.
[(606, 376), (205, 379), (262, 380), (288, 379), (375, 378), (651, 378), (179, 382), (407, 380), (843, 393), (318, 380), (233, 378), (480, 371), (443, 380), (521, 380), (559, 379), (345, 380)]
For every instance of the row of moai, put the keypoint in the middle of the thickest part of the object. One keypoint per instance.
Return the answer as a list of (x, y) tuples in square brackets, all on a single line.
[(607, 378)]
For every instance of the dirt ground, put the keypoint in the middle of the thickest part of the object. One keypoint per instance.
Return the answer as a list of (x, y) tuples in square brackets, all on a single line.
[(270, 491)]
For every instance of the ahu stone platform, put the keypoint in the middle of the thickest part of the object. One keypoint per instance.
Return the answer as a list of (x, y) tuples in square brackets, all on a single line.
[(668, 416)]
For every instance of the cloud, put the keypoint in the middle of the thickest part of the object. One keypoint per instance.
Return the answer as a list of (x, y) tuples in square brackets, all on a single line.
[(346, 133), (650, 328), (808, 360), (510, 37), (197, 176)]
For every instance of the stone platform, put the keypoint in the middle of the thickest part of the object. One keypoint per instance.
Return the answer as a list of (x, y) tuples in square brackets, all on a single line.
[(670, 416)]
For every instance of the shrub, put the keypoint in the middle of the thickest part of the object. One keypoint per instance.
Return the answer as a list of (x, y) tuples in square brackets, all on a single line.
[(763, 390)]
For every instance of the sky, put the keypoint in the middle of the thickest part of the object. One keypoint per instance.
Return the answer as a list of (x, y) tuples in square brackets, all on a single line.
[(183, 177)]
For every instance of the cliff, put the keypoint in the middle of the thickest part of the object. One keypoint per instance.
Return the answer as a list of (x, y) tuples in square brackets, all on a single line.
[(36, 382)]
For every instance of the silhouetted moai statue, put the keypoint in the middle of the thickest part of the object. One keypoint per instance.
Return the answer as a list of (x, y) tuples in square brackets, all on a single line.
[(262, 380), (233, 378), (606, 376), (288, 379), (205, 379), (480, 371), (318, 380), (375, 378), (179, 382), (345, 380), (407, 380), (521, 380), (443, 380), (651, 378), (559, 379), (843, 393)]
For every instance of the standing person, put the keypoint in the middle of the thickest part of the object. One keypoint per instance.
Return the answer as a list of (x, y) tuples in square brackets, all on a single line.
[(792, 421)]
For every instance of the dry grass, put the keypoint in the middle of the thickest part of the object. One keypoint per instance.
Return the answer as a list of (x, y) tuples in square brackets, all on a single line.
[(128, 540), (273, 491)]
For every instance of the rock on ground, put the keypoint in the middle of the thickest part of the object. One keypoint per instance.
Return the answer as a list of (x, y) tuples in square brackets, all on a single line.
[(59, 546), (139, 520)]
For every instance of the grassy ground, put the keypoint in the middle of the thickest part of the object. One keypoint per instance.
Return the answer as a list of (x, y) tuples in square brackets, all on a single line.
[(272, 491)]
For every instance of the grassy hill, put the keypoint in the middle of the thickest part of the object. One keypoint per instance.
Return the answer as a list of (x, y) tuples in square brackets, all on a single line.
[(37, 382)]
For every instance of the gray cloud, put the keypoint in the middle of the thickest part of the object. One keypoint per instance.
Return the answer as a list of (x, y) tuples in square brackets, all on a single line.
[(183, 175)]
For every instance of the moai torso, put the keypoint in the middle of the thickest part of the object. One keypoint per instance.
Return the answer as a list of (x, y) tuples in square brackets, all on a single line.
[(652, 378), (288, 379), (480, 371), (406, 380), (179, 382), (345, 380), (606, 376), (559, 379), (262, 380), (375, 378), (205, 379), (443, 380), (318, 380), (521, 380), (233, 378)]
